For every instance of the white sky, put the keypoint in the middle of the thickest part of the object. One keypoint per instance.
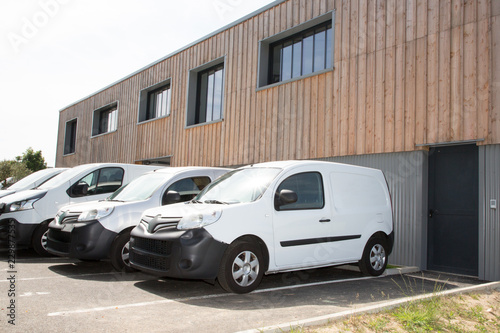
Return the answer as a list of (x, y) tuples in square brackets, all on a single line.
[(55, 52)]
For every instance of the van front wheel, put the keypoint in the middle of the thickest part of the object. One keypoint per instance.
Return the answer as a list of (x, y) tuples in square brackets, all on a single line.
[(374, 260), (39, 239), (119, 254), (241, 268)]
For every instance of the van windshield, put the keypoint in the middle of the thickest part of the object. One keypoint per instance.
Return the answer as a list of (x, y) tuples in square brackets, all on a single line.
[(26, 182), (140, 188), (62, 178), (238, 186)]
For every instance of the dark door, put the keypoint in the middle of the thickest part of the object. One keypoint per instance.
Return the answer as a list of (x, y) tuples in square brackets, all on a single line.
[(453, 210)]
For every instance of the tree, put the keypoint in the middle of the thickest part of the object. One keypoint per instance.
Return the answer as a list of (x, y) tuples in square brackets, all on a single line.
[(34, 161), (16, 170)]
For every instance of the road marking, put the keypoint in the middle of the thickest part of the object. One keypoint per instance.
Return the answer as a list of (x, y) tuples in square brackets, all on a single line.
[(195, 298), (29, 293), (62, 276)]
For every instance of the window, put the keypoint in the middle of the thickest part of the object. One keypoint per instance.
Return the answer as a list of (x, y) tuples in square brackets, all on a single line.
[(70, 137), (105, 119), (105, 180), (309, 189), (187, 188), (155, 102), (206, 93), (297, 52)]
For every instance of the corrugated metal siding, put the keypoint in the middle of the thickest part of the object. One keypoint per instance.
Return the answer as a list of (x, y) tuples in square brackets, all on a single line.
[(489, 219), (406, 174)]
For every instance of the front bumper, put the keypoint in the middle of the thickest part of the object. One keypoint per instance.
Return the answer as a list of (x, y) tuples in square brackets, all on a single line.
[(14, 233), (191, 254), (89, 241)]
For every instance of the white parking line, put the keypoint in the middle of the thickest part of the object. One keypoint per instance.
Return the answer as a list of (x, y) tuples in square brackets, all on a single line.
[(60, 276), (187, 299)]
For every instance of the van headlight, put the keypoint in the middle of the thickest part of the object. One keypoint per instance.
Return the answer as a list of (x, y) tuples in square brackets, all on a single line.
[(199, 220), (22, 205), (95, 214)]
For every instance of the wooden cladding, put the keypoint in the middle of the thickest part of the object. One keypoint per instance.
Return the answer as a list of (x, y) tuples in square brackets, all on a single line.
[(406, 73)]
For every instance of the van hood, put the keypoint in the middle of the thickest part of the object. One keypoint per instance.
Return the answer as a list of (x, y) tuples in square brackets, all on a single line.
[(84, 206), (183, 209), (4, 193), (23, 195)]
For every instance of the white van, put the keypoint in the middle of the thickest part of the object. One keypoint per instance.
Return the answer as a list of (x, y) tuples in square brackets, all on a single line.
[(101, 229), (31, 181), (32, 210), (268, 218)]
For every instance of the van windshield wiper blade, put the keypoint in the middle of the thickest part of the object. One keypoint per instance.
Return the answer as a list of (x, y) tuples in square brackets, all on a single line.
[(217, 202), (195, 201)]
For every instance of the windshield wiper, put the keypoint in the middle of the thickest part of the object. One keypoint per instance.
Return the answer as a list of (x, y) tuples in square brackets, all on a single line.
[(217, 202), (114, 200), (195, 201)]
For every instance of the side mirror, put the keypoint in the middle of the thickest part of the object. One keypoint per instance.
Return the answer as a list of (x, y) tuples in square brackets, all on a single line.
[(172, 197), (80, 190), (285, 197)]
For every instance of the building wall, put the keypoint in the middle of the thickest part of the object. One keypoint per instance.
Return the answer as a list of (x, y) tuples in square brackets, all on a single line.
[(489, 218), (406, 74)]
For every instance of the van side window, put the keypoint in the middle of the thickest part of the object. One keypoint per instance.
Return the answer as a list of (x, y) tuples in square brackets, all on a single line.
[(309, 189), (187, 188), (105, 180)]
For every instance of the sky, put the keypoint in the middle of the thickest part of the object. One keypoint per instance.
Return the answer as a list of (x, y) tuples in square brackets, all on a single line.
[(56, 52)]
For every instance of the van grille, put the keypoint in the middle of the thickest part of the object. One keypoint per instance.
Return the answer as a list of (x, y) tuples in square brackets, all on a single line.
[(151, 262), (152, 246)]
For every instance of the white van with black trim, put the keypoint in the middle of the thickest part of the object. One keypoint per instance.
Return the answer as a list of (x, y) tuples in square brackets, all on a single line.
[(31, 211), (268, 218), (101, 229)]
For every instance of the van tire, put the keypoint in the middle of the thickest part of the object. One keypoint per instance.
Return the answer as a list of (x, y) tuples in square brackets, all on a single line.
[(242, 267), (39, 239), (119, 254), (374, 260)]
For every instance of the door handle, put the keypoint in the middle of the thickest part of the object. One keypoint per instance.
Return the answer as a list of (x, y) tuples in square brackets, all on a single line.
[(324, 220), (433, 212)]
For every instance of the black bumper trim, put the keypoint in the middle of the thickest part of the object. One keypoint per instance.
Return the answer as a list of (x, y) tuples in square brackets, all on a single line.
[(191, 254), (90, 241)]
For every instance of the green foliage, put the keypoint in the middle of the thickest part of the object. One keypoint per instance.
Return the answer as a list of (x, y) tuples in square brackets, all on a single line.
[(34, 161), (14, 169)]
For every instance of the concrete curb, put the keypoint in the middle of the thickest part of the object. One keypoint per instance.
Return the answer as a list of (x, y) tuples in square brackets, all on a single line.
[(323, 320)]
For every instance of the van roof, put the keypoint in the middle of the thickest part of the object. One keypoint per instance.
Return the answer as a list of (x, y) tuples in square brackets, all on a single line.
[(186, 168), (295, 163)]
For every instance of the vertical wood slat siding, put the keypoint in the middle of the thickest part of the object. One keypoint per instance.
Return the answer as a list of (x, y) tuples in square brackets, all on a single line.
[(406, 73)]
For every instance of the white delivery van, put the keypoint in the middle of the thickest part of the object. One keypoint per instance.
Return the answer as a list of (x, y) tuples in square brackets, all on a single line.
[(101, 229), (31, 181), (268, 218), (32, 210)]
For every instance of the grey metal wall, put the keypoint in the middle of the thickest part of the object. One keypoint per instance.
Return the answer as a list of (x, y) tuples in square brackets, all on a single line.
[(406, 175), (489, 218)]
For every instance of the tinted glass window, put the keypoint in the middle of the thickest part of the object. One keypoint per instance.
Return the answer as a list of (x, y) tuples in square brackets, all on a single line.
[(187, 188), (309, 189)]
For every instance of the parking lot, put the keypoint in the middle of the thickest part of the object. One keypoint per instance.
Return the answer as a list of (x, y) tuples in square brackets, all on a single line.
[(61, 294)]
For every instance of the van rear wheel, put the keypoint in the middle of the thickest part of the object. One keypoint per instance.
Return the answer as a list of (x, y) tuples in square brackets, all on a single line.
[(242, 268), (374, 260)]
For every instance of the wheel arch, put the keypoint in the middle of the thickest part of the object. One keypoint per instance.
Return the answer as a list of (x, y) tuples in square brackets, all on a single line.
[(257, 240)]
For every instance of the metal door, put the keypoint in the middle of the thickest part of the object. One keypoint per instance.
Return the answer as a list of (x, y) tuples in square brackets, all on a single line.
[(453, 210)]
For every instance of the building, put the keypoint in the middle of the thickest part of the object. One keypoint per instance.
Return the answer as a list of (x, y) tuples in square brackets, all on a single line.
[(410, 87)]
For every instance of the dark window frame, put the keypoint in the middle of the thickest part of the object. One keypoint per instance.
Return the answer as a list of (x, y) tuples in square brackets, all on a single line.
[(196, 114), (98, 121), (291, 42), (265, 65), (147, 104), (70, 138)]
